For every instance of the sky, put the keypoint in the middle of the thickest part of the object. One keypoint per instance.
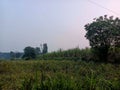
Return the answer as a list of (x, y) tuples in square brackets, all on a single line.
[(59, 23)]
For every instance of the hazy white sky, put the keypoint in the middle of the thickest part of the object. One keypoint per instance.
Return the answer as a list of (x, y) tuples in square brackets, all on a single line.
[(59, 23)]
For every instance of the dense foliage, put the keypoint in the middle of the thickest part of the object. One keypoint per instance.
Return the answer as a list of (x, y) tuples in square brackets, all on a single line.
[(103, 33), (45, 48), (15, 55), (58, 75), (29, 53), (77, 54), (32, 53), (71, 54)]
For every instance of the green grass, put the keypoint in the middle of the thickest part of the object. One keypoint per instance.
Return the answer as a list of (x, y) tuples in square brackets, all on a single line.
[(58, 75)]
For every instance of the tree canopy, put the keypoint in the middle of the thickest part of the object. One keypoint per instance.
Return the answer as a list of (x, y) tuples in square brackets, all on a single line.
[(32, 53), (45, 48), (29, 53), (103, 33)]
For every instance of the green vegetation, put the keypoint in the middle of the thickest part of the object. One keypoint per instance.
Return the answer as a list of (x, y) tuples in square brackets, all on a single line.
[(73, 69), (32, 53), (58, 75), (86, 54), (29, 53), (104, 37), (71, 54), (103, 33)]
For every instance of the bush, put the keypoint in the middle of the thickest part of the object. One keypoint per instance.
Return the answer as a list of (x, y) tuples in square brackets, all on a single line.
[(114, 55), (71, 54)]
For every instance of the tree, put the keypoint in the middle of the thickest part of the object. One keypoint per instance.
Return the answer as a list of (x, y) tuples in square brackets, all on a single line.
[(15, 55), (12, 55), (45, 48), (103, 33), (37, 50), (18, 55), (29, 53)]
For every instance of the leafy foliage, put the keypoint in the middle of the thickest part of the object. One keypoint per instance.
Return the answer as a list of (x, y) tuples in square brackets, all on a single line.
[(102, 34), (38, 51), (71, 54), (15, 55), (45, 48), (29, 53)]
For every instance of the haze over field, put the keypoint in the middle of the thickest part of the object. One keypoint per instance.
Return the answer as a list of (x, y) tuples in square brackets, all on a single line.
[(59, 23)]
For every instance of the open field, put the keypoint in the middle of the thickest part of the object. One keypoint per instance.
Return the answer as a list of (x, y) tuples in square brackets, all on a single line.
[(58, 75)]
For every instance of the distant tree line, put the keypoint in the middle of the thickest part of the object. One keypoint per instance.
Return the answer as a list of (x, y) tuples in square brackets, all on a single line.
[(5, 55), (15, 55), (32, 53)]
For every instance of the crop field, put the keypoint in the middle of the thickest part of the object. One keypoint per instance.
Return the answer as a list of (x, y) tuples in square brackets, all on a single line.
[(58, 75)]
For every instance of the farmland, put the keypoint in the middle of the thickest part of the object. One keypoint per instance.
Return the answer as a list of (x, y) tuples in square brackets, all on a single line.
[(58, 75)]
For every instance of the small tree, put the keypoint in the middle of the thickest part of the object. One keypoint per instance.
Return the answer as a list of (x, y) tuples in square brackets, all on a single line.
[(37, 50), (12, 55), (29, 53), (102, 33), (45, 48)]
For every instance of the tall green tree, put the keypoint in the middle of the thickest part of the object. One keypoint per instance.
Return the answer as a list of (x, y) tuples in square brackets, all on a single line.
[(29, 53), (103, 33), (45, 48)]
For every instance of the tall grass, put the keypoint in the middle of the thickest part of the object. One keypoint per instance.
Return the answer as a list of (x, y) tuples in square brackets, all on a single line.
[(58, 75), (87, 54), (71, 54)]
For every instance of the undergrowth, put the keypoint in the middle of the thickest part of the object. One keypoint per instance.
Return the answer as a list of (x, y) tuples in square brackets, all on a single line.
[(58, 75)]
